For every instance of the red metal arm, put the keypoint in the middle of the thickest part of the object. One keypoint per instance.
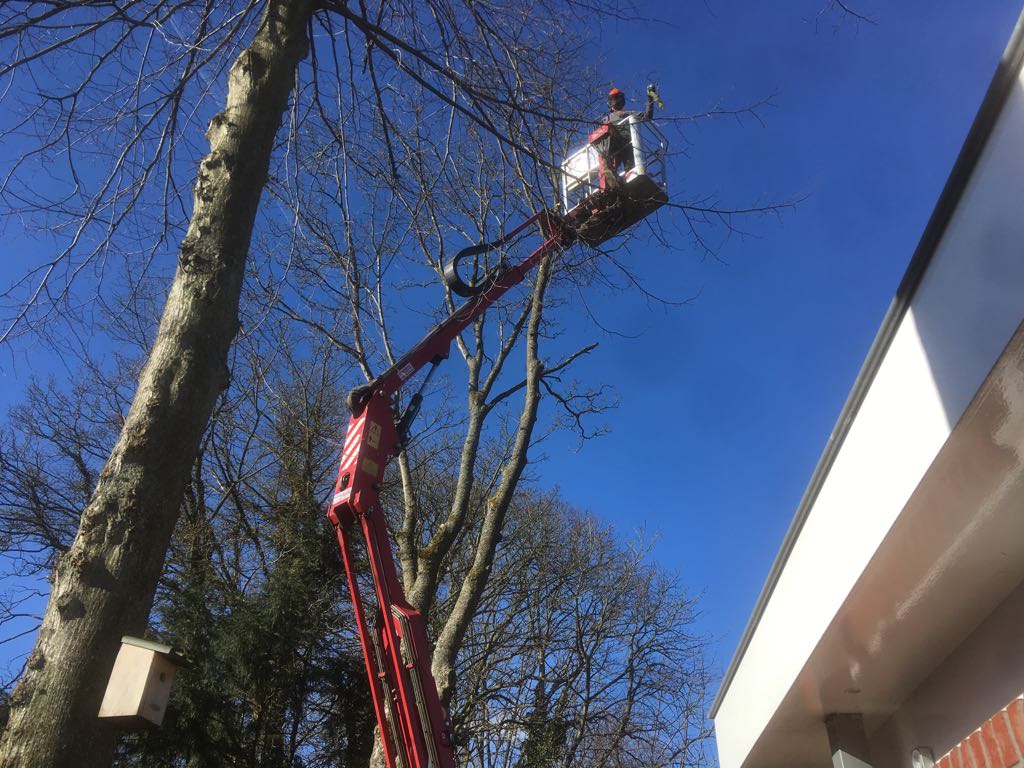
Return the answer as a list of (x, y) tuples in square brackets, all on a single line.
[(415, 730), (437, 342)]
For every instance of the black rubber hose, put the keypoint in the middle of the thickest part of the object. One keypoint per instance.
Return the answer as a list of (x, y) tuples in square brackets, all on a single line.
[(459, 286)]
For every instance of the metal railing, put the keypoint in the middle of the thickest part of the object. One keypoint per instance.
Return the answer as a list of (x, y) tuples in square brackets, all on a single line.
[(581, 170)]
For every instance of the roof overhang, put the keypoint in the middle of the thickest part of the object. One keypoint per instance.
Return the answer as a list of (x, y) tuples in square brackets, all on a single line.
[(955, 552)]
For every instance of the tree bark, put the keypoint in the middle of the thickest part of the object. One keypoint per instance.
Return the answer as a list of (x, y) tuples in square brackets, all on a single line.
[(103, 586)]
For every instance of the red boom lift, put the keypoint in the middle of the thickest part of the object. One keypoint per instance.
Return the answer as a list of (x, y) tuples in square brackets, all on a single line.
[(415, 730)]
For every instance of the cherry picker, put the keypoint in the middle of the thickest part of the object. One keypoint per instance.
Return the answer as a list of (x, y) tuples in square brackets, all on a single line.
[(415, 729)]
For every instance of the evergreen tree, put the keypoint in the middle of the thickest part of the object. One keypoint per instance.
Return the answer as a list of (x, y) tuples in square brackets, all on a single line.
[(253, 593)]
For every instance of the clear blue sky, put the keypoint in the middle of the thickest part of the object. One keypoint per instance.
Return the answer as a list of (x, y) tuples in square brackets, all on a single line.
[(726, 404)]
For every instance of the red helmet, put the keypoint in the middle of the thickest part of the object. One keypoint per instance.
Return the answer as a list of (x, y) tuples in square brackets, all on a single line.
[(615, 92), (616, 98)]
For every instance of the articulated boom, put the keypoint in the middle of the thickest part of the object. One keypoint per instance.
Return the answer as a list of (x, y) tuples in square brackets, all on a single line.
[(415, 730)]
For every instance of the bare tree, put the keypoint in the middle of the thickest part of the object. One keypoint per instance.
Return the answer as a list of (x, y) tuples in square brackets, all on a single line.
[(142, 76), (842, 12), (565, 594), (581, 654), (460, 482), (445, 202), (104, 584)]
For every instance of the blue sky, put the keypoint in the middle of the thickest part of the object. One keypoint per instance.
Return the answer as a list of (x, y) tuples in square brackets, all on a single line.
[(726, 404)]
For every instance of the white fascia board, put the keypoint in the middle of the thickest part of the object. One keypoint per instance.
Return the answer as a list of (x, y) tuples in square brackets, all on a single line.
[(899, 429)]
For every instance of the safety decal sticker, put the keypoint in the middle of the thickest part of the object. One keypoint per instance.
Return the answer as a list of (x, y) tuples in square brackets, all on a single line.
[(405, 371), (373, 435), (369, 466)]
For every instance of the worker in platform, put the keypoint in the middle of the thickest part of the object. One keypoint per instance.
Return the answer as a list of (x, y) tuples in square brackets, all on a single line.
[(617, 146)]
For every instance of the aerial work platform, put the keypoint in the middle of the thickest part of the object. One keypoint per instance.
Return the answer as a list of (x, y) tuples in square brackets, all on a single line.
[(615, 180), (608, 185)]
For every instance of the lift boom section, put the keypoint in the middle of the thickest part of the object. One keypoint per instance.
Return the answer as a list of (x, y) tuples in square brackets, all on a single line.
[(415, 730)]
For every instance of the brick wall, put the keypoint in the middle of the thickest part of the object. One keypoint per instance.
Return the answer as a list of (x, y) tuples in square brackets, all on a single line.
[(998, 743)]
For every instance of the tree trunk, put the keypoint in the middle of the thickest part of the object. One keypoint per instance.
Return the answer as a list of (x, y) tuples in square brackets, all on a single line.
[(452, 635), (103, 586)]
